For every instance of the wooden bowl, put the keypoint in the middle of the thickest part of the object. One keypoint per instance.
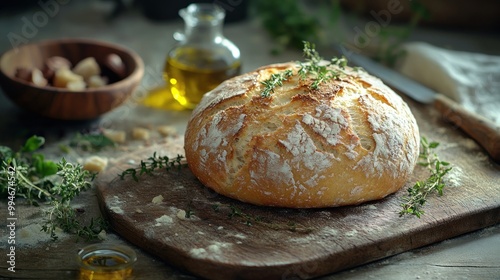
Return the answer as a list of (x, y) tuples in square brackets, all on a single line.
[(61, 103)]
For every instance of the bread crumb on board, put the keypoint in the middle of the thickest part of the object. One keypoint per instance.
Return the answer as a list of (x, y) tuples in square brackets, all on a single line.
[(139, 133), (95, 164), (102, 235), (167, 130), (163, 220), (157, 199), (181, 214), (216, 248), (117, 136)]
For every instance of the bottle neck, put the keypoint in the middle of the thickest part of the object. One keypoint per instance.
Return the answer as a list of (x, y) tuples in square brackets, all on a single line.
[(203, 33), (203, 23)]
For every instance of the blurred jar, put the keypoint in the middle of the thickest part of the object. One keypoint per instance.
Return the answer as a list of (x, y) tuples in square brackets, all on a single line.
[(161, 10), (202, 58)]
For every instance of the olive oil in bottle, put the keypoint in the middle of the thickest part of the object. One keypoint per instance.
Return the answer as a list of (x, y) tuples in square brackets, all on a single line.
[(190, 73), (201, 60)]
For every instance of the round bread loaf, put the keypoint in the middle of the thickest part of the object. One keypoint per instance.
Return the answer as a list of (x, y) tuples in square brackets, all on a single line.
[(348, 141)]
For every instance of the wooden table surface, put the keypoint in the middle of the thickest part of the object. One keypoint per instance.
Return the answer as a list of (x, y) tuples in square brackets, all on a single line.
[(471, 256)]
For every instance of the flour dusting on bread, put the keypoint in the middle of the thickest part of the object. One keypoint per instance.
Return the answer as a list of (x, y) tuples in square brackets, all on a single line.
[(349, 141)]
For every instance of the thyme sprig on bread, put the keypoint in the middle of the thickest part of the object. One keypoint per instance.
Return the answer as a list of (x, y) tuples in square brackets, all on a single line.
[(276, 79), (314, 67)]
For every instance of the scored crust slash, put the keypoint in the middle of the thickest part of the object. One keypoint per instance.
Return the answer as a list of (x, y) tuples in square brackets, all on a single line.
[(344, 140)]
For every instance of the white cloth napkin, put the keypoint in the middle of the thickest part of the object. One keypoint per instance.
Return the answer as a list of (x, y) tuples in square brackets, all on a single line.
[(471, 79)]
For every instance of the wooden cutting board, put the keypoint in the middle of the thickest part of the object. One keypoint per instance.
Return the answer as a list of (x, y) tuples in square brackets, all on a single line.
[(226, 239)]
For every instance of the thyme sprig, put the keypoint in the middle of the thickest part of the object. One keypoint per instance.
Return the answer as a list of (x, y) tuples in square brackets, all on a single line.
[(274, 81), (63, 216), (417, 195), (234, 212), (318, 69), (153, 163), (314, 67), (91, 141), (39, 180)]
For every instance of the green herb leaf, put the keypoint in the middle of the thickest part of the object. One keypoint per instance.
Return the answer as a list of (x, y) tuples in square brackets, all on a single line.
[(433, 145), (417, 195), (287, 22), (6, 153), (65, 217), (44, 167), (39, 180), (236, 213), (33, 144), (276, 79), (64, 148), (153, 163), (90, 142), (314, 68)]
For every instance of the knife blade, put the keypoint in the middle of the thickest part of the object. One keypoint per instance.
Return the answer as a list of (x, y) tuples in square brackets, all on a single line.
[(484, 131)]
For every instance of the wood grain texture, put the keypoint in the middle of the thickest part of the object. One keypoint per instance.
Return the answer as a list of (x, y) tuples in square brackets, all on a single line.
[(484, 131), (295, 244), (61, 103)]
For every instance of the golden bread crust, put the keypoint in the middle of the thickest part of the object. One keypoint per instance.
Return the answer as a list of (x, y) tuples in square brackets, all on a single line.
[(349, 141)]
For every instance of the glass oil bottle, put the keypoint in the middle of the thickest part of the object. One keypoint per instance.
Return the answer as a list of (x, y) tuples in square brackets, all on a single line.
[(203, 57)]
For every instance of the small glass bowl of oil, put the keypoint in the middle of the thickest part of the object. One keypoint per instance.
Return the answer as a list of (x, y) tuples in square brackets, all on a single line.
[(106, 262)]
